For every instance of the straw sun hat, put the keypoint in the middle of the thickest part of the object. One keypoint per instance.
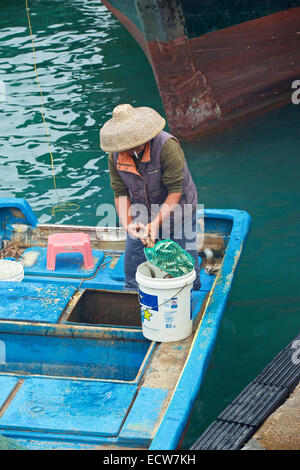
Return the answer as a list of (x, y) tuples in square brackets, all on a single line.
[(130, 127)]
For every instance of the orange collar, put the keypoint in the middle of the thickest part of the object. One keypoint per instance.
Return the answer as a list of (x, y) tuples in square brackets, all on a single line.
[(125, 160)]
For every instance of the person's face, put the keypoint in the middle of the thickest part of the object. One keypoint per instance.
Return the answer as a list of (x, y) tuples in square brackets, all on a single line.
[(137, 149)]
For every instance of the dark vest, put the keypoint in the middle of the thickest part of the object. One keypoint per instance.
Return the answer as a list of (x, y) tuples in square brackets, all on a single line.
[(148, 188)]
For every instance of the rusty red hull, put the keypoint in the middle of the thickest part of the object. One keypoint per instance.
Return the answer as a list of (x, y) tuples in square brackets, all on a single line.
[(210, 82)]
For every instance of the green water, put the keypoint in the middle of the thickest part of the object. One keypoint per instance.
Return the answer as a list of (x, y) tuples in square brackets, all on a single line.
[(87, 64)]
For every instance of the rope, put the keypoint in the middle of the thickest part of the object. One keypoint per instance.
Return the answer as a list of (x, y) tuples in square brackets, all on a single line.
[(61, 206)]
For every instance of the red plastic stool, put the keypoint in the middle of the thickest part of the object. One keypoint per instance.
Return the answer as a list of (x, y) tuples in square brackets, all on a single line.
[(69, 243)]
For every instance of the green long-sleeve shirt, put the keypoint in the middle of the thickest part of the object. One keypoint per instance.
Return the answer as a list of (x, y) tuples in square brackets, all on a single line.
[(172, 163)]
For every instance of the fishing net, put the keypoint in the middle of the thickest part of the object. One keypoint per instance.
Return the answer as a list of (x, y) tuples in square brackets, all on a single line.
[(170, 257)]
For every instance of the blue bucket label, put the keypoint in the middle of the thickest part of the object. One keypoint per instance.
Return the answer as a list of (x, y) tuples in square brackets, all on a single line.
[(149, 303), (149, 300)]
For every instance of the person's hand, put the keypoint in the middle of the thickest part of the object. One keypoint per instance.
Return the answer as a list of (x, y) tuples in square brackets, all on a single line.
[(149, 234), (135, 230)]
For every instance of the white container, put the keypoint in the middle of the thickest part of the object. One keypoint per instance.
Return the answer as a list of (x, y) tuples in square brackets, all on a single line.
[(166, 305), (11, 271)]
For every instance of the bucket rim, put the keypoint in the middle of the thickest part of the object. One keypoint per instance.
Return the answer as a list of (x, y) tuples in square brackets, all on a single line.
[(163, 284)]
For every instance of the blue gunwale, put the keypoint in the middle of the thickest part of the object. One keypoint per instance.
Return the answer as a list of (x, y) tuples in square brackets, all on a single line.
[(178, 412)]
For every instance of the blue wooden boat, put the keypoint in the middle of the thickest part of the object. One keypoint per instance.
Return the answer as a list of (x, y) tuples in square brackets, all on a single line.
[(75, 369)]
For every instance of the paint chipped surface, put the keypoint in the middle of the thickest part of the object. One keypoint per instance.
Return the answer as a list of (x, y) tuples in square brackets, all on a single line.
[(33, 302)]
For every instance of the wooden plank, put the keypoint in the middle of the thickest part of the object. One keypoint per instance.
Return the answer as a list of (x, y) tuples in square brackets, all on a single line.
[(33, 302), (7, 384), (69, 406)]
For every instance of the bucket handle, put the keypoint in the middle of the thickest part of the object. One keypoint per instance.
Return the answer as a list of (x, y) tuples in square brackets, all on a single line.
[(166, 301)]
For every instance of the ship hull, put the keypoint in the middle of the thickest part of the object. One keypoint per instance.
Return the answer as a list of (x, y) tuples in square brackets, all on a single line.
[(214, 80)]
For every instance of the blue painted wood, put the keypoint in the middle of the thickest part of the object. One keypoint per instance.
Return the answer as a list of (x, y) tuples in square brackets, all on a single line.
[(33, 302), (75, 439), (60, 281), (118, 272), (138, 427), (207, 281), (44, 444), (7, 384), (69, 406), (67, 264), (9, 216), (197, 301), (71, 330), (72, 357), (103, 280)]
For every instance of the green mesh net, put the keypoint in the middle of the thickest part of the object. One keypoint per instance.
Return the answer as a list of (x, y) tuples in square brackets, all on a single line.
[(170, 257)]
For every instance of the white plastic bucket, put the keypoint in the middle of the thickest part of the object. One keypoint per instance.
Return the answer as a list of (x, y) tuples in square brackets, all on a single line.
[(166, 305), (11, 271)]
